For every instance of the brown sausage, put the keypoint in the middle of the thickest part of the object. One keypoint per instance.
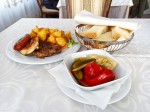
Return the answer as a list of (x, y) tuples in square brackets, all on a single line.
[(22, 42)]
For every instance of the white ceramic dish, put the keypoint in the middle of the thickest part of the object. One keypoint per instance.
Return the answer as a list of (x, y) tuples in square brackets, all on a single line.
[(123, 91), (18, 57), (121, 71)]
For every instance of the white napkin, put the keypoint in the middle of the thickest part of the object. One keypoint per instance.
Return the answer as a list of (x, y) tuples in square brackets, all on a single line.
[(85, 17), (61, 74), (100, 97)]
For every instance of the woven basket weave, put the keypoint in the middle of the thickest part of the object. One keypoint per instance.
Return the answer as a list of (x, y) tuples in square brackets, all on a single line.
[(95, 44)]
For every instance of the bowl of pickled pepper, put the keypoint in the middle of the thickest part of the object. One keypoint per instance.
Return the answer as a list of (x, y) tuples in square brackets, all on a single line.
[(94, 69)]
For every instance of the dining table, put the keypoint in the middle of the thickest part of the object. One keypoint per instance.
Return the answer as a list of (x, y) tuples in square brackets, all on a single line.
[(26, 87)]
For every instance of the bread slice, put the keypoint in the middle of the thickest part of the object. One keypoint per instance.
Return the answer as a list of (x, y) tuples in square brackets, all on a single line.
[(117, 32), (106, 37), (94, 31)]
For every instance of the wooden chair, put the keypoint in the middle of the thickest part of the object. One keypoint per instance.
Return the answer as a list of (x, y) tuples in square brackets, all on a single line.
[(98, 7), (45, 12)]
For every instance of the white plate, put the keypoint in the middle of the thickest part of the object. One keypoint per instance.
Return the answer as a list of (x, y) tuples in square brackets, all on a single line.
[(18, 57), (125, 88)]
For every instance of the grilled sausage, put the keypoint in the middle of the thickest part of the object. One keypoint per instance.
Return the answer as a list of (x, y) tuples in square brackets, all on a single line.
[(22, 42), (30, 46)]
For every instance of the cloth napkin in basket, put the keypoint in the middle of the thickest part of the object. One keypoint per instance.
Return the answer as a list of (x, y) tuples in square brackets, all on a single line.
[(85, 17), (100, 97)]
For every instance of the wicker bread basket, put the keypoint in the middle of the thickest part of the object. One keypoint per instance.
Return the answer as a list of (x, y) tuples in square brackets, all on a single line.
[(95, 44)]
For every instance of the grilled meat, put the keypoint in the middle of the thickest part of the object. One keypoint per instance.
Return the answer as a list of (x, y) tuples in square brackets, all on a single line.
[(22, 42), (46, 49)]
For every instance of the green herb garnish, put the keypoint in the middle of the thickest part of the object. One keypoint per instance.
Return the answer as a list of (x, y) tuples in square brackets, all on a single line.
[(71, 43)]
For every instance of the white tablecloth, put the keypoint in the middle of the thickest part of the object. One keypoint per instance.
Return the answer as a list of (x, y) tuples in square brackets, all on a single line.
[(121, 3), (30, 88)]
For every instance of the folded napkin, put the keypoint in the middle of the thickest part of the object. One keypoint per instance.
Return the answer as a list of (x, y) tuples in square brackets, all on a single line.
[(100, 97), (85, 17)]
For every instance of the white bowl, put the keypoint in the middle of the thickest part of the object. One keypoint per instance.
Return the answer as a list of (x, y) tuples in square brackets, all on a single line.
[(121, 71)]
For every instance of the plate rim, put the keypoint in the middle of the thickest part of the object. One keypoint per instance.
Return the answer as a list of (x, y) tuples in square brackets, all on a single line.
[(86, 102)]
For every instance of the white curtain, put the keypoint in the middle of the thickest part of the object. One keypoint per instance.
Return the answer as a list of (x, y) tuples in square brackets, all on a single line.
[(13, 10)]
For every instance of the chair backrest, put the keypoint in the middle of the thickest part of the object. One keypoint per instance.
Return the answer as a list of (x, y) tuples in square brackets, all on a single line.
[(39, 2), (98, 7)]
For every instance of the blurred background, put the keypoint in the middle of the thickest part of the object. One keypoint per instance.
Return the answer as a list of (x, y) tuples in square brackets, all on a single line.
[(13, 10)]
